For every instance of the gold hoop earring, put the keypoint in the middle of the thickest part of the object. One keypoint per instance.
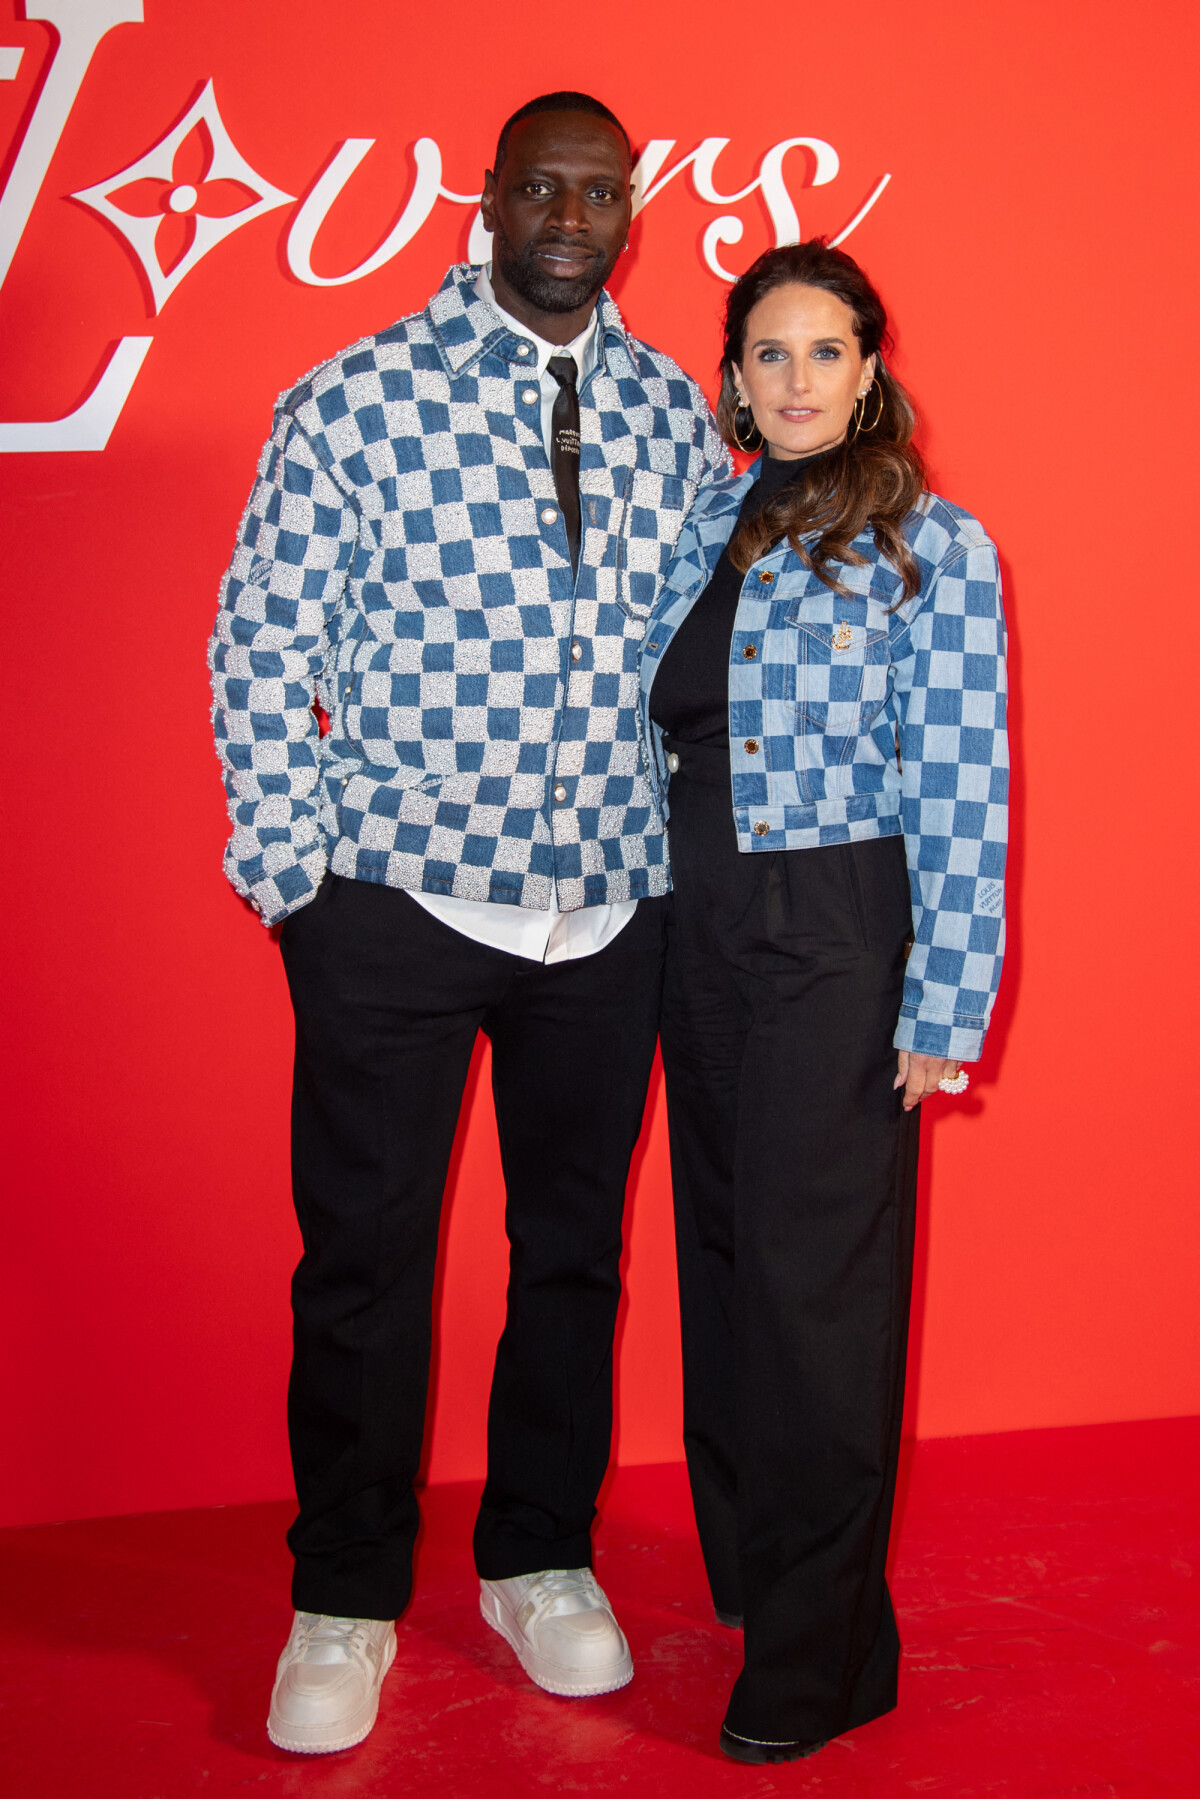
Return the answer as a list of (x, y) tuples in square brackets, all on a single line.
[(746, 448), (860, 412), (879, 409)]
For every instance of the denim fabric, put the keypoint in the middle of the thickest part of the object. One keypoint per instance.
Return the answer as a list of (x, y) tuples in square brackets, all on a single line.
[(852, 716), (403, 561)]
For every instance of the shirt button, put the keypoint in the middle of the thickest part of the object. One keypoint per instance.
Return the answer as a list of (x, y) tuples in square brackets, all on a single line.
[(576, 651), (548, 515), (762, 829), (673, 763), (560, 793), (751, 746), (750, 652), (766, 577), (530, 395)]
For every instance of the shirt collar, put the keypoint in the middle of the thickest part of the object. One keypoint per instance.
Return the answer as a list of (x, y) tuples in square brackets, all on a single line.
[(464, 327), (584, 349)]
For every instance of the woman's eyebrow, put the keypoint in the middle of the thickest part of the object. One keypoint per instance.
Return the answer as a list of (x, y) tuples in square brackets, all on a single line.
[(777, 343)]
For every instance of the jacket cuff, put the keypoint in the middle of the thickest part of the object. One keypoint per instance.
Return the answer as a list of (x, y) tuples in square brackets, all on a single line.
[(948, 1037), (284, 891)]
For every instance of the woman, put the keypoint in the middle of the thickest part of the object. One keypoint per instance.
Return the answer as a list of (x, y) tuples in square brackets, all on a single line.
[(824, 687)]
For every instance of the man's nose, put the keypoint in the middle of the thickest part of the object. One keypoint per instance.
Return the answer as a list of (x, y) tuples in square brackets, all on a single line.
[(569, 212)]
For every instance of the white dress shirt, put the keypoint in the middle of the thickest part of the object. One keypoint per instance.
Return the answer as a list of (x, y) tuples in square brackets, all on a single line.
[(550, 936)]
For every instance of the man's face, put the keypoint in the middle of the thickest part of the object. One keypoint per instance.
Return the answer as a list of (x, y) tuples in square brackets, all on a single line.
[(559, 209)]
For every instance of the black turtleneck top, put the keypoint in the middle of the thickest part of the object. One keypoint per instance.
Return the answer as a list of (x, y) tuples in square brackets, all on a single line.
[(690, 696)]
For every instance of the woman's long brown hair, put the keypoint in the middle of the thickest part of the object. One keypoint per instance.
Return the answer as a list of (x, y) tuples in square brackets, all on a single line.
[(873, 479)]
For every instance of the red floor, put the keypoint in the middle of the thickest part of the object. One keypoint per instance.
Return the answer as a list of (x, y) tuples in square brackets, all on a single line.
[(1048, 1585)]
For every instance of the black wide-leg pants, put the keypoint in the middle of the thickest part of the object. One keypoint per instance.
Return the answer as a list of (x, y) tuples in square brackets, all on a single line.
[(794, 1170), (388, 1001)]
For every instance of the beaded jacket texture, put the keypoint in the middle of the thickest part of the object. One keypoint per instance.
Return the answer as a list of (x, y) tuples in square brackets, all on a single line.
[(403, 561)]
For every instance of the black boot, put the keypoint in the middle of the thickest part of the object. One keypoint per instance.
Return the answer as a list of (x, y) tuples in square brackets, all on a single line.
[(745, 1749)]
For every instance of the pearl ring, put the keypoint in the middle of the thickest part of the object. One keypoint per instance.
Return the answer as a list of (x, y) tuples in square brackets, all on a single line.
[(956, 1084)]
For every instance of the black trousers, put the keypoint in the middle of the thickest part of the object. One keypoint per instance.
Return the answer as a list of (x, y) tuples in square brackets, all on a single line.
[(794, 1169), (388, 1001)]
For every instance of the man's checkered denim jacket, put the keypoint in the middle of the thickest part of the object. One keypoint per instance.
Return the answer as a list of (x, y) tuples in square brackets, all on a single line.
[(403, 560), (852, 717)]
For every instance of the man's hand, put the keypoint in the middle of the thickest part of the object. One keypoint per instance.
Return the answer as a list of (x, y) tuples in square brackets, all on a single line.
[(919, 1075)]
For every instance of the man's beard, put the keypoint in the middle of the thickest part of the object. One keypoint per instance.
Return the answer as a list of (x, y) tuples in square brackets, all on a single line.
[(549, 293)]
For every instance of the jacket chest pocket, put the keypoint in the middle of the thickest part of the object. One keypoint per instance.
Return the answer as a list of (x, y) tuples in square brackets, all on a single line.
[(631, 520), (841, 677)]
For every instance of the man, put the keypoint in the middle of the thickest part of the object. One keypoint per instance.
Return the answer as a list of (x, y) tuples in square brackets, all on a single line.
[(453, 545)]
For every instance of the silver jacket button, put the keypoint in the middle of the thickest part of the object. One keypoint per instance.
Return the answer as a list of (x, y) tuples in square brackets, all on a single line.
[(673, 762)]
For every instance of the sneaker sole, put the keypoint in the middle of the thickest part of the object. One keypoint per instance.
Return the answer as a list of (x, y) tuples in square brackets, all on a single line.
[(311, 1739), (549, 1675)]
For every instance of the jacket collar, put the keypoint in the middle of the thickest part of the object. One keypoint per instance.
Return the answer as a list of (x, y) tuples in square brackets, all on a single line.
[(718, 498), (465, 327), (724, 494)]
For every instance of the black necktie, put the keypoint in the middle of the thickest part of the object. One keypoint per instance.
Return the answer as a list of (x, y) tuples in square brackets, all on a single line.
[(564, 448)]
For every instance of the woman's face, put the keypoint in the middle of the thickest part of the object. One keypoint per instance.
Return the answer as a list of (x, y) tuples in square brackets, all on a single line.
[(802, 369)]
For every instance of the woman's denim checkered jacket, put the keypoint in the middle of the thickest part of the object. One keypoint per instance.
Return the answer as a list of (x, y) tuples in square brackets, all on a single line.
[(404, 561), (852, 717)]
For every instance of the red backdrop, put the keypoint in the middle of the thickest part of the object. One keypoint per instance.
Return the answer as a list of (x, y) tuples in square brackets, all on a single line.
[(1031, 244)]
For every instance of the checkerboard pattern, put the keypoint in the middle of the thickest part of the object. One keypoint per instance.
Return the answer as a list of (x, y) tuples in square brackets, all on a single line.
[(852, 716), (404, 562)]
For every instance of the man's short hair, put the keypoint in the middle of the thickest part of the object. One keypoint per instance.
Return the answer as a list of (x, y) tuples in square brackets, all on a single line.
[(565, 101)]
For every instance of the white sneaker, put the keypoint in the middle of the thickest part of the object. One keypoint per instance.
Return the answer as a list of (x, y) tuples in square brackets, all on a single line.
[(327, 1683), (562, 1629)]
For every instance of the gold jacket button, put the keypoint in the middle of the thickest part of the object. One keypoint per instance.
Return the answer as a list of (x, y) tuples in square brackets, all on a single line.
[(751, 746), (766, 577), (843, 637), (762, 828), (750, 652)]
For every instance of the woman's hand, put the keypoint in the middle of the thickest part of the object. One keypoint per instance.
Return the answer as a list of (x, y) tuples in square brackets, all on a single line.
[(919, 1075)]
